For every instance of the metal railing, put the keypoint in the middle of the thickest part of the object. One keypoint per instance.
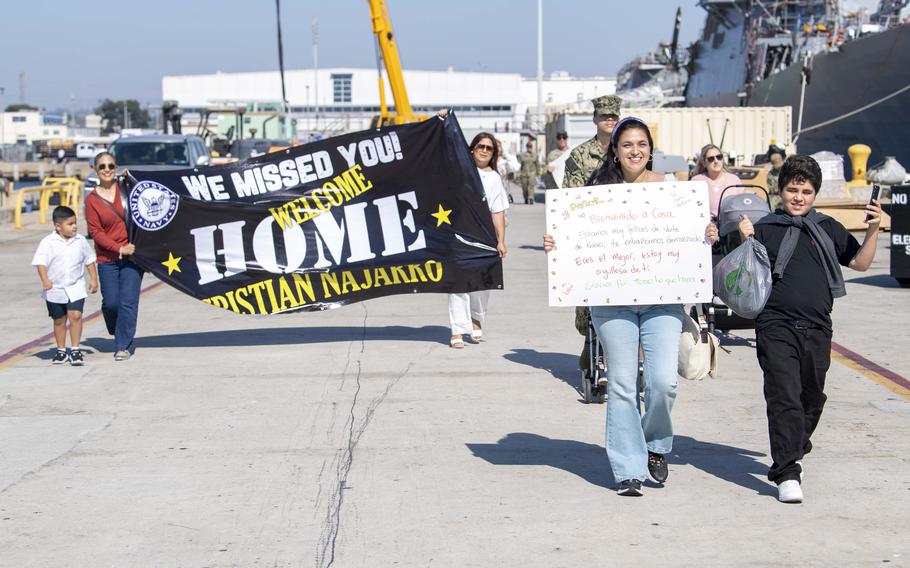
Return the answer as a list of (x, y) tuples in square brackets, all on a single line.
[(69, 189)]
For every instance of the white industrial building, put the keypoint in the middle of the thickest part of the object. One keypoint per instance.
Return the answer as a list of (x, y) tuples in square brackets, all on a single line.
[(27, 126), (345, 99)]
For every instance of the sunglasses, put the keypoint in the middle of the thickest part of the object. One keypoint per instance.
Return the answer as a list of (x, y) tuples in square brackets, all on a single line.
[(715, 158), (484, 147), (102, 167)]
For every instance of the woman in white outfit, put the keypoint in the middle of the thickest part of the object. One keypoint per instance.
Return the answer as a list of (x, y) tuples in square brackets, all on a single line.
[(468, 310)]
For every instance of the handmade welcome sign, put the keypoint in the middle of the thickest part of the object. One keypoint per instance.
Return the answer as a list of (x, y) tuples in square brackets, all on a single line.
[(629, 244)]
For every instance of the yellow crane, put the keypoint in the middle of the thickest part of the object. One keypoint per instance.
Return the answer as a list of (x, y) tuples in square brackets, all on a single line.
[(388, 51)]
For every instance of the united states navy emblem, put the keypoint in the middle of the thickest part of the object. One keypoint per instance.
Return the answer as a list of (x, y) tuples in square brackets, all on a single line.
[(152, 205)]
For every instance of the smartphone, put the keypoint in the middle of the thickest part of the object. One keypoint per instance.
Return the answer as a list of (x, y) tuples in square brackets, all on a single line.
[(875, 190)]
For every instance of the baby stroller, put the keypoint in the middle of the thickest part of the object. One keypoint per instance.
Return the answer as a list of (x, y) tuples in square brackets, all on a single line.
[(731, 211), (594, 378)]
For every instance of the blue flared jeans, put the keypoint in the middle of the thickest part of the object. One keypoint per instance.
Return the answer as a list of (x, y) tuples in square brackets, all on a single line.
[(631, 434), (120, 283)]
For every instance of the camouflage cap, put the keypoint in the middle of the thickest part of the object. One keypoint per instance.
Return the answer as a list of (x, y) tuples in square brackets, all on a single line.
[(607, 104)]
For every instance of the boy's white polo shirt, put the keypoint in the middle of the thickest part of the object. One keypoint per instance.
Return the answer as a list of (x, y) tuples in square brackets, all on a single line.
[(65, 260)]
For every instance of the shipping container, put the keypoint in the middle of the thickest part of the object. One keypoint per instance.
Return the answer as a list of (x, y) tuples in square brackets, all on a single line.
[(741, 131)]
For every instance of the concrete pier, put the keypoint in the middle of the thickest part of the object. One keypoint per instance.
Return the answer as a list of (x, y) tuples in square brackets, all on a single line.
[(358, 438)]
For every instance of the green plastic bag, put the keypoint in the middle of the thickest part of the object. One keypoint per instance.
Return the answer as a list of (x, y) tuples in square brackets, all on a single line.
[(742, 279)]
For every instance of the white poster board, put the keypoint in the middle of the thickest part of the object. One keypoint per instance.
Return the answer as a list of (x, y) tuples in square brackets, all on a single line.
[(559, 170), (629, 244)]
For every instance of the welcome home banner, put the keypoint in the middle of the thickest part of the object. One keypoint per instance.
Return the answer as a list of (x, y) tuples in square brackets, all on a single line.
[(368, 214)]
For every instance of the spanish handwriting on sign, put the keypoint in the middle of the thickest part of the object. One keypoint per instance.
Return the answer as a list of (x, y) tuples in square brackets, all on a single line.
[(629, 244)]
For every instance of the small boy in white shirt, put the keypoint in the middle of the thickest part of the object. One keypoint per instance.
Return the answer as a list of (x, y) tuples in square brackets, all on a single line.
[(62, 259)]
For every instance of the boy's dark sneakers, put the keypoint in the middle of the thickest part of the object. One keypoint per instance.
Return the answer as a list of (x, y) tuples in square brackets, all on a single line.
[(60, 357), (657, 467), (76, 358), (629, 488)]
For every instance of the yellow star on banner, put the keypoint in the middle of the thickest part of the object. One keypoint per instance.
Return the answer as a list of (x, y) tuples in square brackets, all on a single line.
[(172, 263), (442, 216)]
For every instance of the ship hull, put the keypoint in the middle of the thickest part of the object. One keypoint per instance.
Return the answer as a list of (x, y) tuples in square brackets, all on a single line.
[(862, 72)]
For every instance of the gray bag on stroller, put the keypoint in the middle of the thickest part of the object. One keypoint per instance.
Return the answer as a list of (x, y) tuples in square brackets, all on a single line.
[(742, 279)]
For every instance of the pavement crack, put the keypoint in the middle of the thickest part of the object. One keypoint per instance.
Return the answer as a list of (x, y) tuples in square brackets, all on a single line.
[(325, 554), (60, 457)]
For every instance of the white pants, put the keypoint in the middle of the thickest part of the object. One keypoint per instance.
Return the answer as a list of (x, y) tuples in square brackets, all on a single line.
[(465, 307)]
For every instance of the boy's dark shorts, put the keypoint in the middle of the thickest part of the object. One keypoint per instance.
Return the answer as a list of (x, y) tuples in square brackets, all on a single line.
[(57, 311)]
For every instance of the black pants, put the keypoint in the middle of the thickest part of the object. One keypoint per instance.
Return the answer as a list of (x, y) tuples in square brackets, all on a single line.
[(794, 357)]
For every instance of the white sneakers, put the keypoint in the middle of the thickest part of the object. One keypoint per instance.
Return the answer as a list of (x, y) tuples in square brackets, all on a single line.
[(790, 492)]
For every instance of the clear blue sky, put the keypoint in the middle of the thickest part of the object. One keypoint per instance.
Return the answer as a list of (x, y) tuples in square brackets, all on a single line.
[(95, 49)]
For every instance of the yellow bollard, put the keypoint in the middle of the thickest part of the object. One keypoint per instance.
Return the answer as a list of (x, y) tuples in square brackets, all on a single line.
[(859, 158), (44, 201), (69, 189)]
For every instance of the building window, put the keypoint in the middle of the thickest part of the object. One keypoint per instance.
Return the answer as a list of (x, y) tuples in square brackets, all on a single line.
[(341, 88), (18, 119)]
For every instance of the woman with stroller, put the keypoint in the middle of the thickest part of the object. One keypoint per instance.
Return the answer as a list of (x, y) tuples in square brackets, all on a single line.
[(468, 310), (711, 168), (636, 444)]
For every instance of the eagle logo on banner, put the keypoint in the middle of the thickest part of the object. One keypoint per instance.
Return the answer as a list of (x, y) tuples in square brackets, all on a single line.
[(152, 205)]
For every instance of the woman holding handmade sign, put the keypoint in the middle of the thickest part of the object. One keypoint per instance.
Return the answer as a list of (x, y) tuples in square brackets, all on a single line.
[(468, 310), (636, 444)]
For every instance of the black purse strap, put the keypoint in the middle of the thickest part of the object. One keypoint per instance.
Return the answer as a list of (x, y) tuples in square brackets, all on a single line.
[(111, 205)]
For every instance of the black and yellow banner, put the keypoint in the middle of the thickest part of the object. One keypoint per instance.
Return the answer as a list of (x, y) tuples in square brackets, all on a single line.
[(393, 211)]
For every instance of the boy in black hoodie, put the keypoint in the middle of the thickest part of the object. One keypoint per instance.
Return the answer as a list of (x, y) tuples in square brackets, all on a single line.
[(793, 332)]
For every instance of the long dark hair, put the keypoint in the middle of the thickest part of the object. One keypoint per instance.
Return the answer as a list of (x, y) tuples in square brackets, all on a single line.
[(610, 171), (494, 155)]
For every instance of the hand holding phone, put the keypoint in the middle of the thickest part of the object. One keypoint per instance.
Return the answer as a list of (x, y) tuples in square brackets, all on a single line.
[(872, 199)]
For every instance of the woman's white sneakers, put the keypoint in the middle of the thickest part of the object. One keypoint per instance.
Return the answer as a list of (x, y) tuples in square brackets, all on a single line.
[(790, 492)]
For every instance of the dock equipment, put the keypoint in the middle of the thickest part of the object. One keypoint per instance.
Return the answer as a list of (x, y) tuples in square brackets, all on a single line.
[(387, 52), (69, 189), (900, 234)]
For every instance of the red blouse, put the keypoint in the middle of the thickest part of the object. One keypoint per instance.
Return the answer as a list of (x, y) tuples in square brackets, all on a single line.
[(108, 229)]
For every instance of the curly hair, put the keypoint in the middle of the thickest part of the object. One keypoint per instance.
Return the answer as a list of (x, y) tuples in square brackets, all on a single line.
[(800, 168)]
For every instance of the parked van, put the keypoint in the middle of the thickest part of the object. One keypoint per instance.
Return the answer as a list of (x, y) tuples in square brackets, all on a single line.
[(86, 151)]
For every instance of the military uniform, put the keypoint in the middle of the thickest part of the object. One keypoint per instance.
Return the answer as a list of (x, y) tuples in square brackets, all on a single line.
[(585, 159), (773, 189), (527, 174), (588, 156)]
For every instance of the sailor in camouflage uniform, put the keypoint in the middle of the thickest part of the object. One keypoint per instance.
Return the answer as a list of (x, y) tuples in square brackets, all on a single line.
[(584, 160), (530, 169), (588, 156)]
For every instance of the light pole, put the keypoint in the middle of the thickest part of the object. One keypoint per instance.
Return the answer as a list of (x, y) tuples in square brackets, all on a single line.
[(540, 114), (2, 120), (316, 71)]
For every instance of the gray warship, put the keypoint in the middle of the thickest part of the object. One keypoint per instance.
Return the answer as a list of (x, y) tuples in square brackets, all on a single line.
[(842, 66)]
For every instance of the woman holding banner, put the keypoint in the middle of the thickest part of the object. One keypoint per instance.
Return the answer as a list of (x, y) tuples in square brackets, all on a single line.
[(105, 213), (636, 444), (468, 310)]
